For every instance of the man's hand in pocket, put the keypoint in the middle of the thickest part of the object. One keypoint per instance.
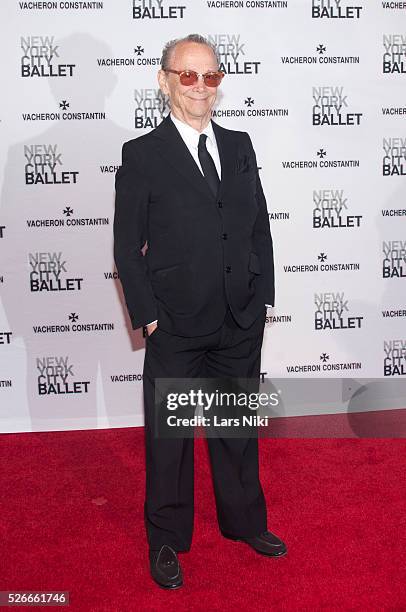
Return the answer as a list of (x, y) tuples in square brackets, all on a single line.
[(151, 327)]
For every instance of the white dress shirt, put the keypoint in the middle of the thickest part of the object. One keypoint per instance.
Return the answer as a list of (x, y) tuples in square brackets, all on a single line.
[(190, 137)]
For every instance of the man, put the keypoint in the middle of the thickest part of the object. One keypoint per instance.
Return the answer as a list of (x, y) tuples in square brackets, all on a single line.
[(190, 189)]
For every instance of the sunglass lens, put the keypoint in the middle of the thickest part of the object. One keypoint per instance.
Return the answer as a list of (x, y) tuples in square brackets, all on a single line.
[(213, 79), (188, 77)]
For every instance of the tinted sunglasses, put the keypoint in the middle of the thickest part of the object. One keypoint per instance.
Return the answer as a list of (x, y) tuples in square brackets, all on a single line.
[(190, 77)]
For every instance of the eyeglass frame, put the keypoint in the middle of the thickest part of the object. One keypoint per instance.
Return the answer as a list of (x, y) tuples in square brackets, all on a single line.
[(198, 74)]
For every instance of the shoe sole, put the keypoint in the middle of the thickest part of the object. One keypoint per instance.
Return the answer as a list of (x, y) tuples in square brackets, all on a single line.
[(170, 588), (270, 555), (265, 554)]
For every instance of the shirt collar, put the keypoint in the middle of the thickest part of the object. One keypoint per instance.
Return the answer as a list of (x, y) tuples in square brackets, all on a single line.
[(190, 135)]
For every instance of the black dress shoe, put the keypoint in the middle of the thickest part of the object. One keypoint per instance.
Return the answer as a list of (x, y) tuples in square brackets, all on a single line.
[(265, 544), (165, 567)]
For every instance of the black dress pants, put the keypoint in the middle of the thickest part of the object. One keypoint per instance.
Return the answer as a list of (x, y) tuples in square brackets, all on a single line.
[(169, 502)]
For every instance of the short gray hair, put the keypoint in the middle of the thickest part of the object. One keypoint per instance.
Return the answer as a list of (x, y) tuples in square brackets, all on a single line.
[(195, 38)]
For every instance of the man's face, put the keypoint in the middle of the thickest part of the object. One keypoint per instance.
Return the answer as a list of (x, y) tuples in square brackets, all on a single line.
[(190, 103)]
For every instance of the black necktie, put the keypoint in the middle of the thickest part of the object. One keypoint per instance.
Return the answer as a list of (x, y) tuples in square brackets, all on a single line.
[(207, 164)]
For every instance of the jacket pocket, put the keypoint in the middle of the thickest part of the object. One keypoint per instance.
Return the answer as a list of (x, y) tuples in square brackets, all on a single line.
[(247, 176), (167, 270)]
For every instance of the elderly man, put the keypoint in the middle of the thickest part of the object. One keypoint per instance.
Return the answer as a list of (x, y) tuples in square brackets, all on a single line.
[(190, 189)]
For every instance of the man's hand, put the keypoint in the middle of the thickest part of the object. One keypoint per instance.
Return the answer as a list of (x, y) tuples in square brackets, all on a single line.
[(151, 327)]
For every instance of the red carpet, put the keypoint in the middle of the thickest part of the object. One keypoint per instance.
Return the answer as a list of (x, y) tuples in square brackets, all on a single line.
[(71, 519)]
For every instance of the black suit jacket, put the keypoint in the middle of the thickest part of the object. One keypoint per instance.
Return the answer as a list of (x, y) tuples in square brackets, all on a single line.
[(198, 245)]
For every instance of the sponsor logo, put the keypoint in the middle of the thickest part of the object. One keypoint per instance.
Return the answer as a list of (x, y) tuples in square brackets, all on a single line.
[(394, 259), (235, 4), (324, 364), (394, 313), (330, 107), (307, 164), (43, 166), (139, 60), (394, 60), (40, 58), (330, 207), (48, 273), (276, 319), (283, 215), (320, 59), (250, 110), (151, 106), (233, 54), (253, 4), (65, 115), (69, 221), (156, 9), (61, 5), (335, 9), (109, 168), (332, 313), (322, 266), (394, 363), (393, 162), (394, 6), (393, 111), (111, 275), (118, 378), (74, 325), (56, 376)]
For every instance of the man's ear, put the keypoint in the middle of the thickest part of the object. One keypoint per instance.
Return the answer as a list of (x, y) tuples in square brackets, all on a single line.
[(162, 82)]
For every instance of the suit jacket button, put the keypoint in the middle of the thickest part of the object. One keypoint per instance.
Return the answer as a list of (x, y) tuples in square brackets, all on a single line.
[(224, 236), (220, 204), (228, 269)]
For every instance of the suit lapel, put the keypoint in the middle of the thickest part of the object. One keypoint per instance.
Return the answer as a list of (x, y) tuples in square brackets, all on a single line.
[(171, 146), (228, 156)]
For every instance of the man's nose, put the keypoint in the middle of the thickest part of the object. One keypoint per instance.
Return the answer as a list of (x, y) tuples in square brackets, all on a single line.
[(200, 82)]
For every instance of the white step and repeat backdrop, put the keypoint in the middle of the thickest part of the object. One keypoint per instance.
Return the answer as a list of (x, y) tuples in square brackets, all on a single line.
[(320, 87)]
